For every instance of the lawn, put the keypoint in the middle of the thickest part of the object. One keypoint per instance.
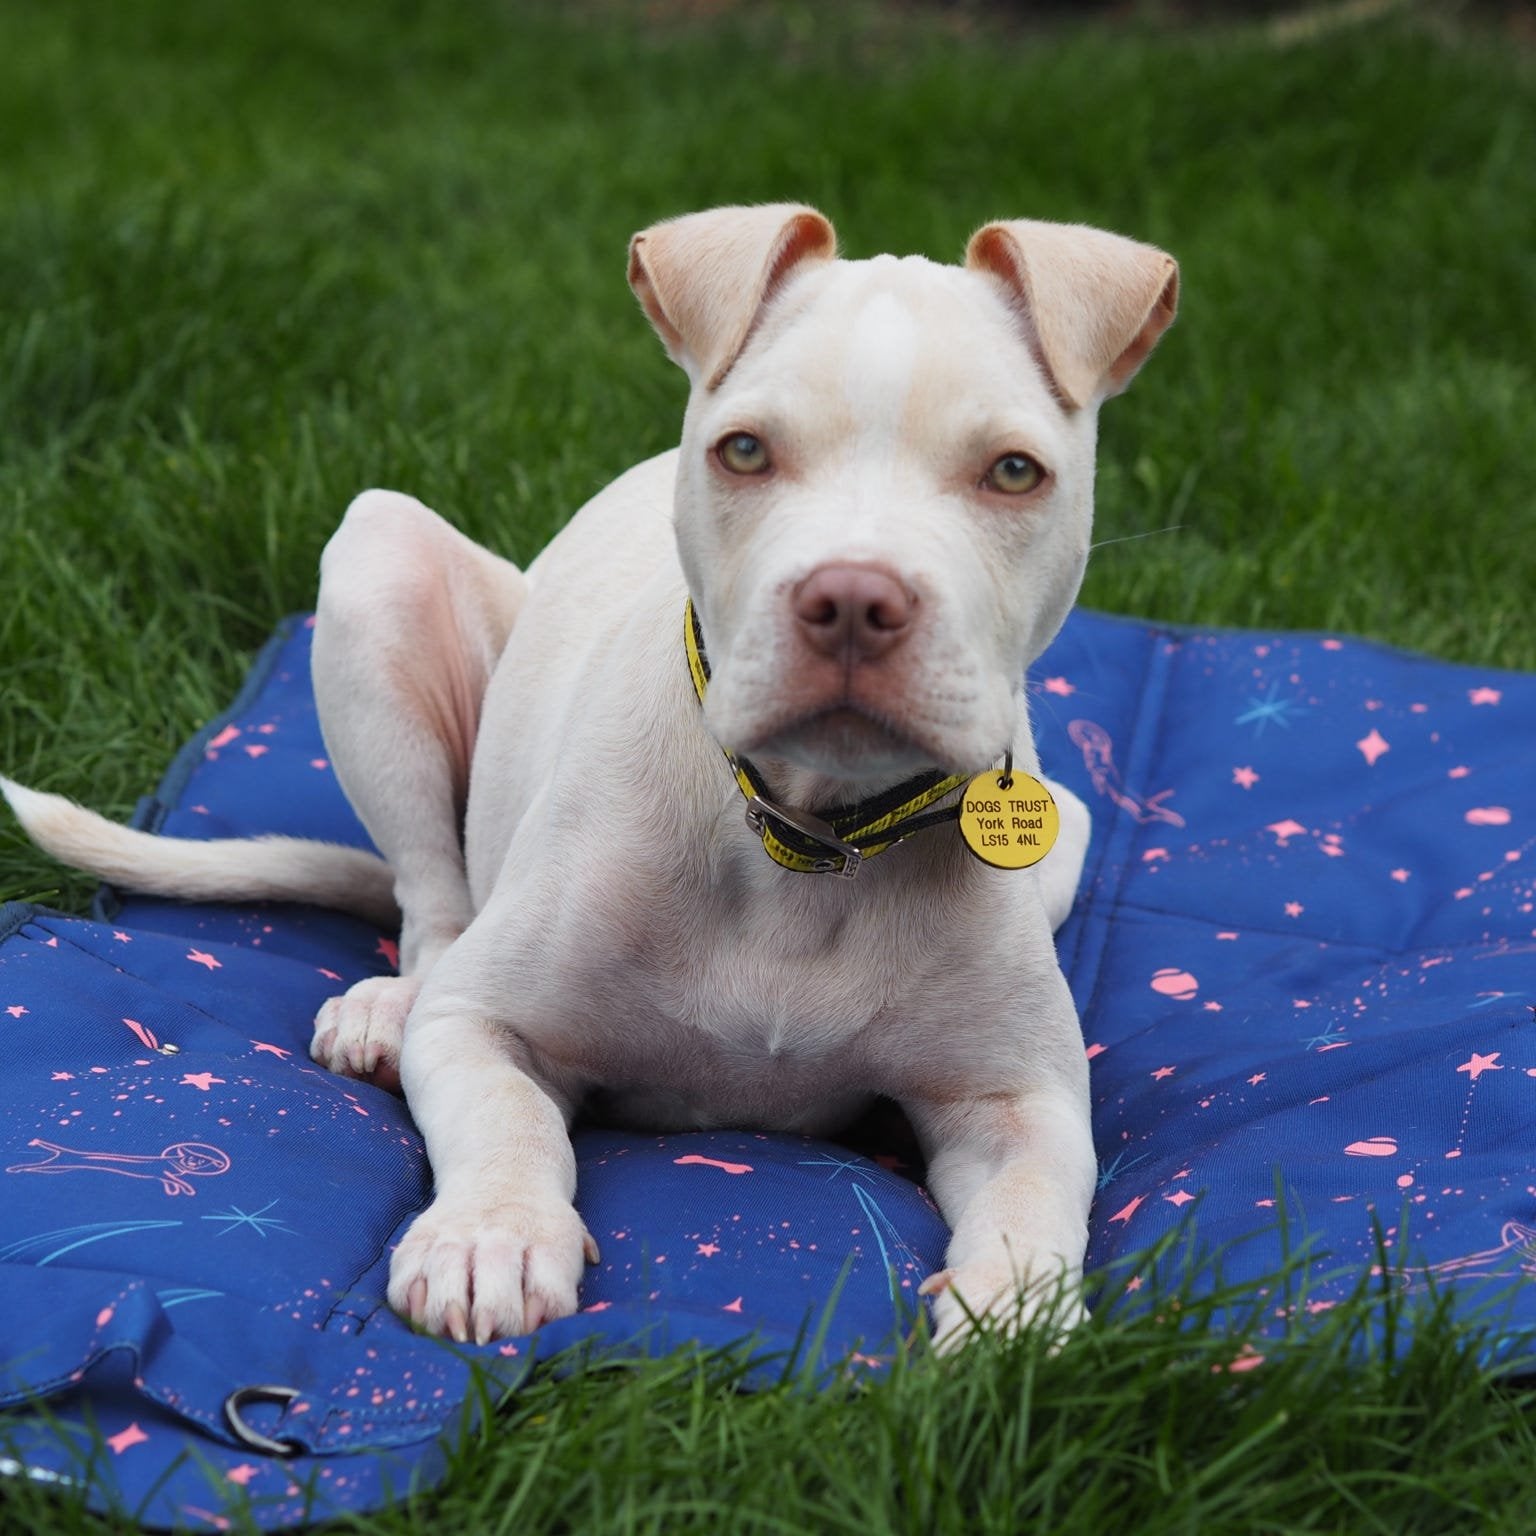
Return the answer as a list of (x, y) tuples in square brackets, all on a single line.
[(255, 258)]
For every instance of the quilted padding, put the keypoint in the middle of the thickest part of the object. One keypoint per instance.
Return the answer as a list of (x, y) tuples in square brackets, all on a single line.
[(1304, 951)]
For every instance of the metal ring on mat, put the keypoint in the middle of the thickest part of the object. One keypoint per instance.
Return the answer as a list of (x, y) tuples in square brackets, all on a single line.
[(242, 1397)]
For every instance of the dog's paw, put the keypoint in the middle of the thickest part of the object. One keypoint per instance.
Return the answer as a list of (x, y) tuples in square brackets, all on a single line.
[(358, 1034), (476, 1273), (993, 1299)]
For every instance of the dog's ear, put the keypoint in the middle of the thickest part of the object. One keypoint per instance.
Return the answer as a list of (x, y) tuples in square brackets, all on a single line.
[(1093, 304), (703, 279)]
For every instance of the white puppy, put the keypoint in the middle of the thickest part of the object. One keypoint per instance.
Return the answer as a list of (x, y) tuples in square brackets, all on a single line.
[(880, 510)]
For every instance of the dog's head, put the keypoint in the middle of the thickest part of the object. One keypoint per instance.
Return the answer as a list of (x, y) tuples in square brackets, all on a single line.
[(885, 492)]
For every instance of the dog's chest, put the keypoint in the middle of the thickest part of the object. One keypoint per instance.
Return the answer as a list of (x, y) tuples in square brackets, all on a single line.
[(768, 1017)]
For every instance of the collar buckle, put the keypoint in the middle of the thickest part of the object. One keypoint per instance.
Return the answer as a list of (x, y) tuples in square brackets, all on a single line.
[(810, 827)]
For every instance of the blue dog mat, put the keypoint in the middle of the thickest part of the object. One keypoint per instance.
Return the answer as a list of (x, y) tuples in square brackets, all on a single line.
[(1305, 954)]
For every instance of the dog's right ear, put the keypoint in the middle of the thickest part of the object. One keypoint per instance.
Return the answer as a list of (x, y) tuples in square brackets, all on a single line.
[(703, 279)]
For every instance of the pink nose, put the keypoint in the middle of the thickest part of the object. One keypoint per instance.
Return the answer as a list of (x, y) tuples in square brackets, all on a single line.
[(858, 612)]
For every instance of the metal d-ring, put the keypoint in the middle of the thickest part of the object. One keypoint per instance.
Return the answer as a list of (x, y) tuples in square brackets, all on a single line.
[(240, 1398), (809, 826)]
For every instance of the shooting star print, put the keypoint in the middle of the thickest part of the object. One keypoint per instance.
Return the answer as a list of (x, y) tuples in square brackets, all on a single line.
[(69, 1239), (895, 1253)]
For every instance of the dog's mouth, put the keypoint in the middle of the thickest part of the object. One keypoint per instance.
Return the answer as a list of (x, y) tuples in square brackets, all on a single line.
[(845, 741)]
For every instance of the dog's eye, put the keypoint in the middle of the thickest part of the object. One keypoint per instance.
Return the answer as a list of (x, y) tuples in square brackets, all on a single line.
[(742, 454), (1013, 474)]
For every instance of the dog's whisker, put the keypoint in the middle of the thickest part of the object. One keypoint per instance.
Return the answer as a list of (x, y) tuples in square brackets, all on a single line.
[(1126, 538)]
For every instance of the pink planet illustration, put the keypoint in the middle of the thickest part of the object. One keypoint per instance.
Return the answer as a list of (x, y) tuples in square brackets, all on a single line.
[(1372, 1146), (1488, 816), (1172, 982)]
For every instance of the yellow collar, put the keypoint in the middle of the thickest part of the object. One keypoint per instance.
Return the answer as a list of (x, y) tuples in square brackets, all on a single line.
[(806, 843)]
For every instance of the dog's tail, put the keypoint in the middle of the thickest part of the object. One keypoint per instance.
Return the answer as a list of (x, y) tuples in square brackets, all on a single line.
[(224, 869)]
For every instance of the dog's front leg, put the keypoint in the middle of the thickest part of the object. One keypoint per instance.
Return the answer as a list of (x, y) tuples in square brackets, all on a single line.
[(500, 1249), (1014, 1175)]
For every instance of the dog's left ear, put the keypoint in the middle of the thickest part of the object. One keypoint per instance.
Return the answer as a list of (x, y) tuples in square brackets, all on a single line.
[(704, 279), (1093, 304)]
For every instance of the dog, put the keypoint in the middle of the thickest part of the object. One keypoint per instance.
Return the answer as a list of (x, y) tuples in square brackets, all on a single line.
[(670, 817)]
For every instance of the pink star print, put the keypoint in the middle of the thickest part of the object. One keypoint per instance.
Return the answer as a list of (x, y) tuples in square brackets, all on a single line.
[(203, 1080), (1480, 1064), (1245, 776), (1484, 695), (242, 1474), (1181, 1198), (709, 1250), (125, 1438), (1400, 875), (1058, 685), (271, 1050), (201, 957), (1163, 1072), (1294, 909), (1124, 1214), (390, 950), (16, 1010), (1285, 830), (1257, 1078), (122, 938), (1372, 746)]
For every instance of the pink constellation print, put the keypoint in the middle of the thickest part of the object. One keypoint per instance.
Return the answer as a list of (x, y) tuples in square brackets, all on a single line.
[(1098, 757), (179, 1162)]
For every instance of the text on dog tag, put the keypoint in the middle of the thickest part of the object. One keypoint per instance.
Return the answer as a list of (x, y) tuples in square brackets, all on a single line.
[(1009, 828)]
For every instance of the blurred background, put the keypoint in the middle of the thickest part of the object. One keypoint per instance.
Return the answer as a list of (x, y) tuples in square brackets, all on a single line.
[(254, 258)]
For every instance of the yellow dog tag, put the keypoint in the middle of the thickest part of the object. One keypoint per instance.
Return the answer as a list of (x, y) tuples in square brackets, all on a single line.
[(1008, 820)]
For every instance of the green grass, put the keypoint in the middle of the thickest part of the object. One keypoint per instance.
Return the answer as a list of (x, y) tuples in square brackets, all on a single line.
[(255, 258), (1175, 1423)]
